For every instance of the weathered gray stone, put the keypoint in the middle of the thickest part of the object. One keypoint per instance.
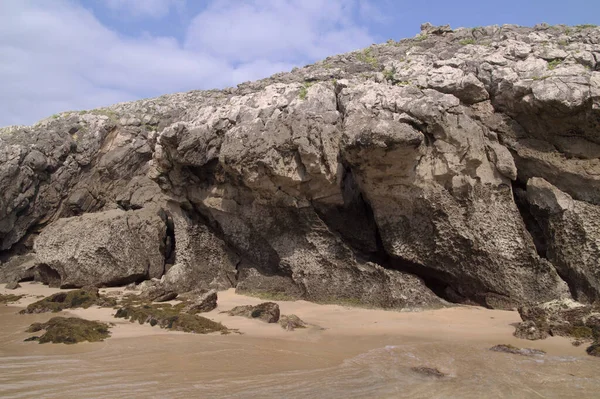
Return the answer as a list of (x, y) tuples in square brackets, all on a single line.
[(266, 311), (107, 248), (12, 286), (291, 322), (18, 268), (202, 260), (565, 318), (572, 233), (203, 303)]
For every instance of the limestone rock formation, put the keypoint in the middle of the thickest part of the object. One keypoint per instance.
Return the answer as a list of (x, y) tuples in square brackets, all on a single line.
[(107, 248), (572, 233), (382, 177)]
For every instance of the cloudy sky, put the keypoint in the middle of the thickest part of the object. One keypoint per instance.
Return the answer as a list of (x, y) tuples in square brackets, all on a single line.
[(58, 55)]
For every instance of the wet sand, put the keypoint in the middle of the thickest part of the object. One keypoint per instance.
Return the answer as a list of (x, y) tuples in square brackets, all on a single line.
[(347, 352)]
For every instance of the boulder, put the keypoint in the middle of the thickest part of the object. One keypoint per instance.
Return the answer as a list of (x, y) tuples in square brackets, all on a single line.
[(103, 249), (571, 230), (266, 311), (155, 291), (203, 303), (202, 261), (18, 268), (291, 322), (12, 286), (559, 318)]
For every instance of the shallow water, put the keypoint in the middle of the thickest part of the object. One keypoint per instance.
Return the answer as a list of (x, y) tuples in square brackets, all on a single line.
[(239, 366)]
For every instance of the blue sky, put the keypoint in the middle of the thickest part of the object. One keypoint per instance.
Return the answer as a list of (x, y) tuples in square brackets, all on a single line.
[(58, 55)]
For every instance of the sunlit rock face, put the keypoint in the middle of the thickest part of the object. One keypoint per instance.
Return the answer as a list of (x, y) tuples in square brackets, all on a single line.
[(460, 164)]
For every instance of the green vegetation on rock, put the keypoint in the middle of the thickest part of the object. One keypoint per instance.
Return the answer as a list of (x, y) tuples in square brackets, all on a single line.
[(83, 298), (367, 57), (69, 330), (304, 90), (464, 42), (581, 332), (170, 317), (554, 63), (9, 298)]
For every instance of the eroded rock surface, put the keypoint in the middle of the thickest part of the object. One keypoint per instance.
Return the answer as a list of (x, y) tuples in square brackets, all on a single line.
[(106, 248), (388, 176), (571, 230), (564, 318), (266, 311)]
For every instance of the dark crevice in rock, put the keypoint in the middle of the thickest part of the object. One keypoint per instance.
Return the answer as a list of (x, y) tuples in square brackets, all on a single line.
[(134, 278), (436, 281), (355, 224), (206, 176), (531, 224), (353, 221), (47, 275), (170, 244), (533, 220), (338, 103), (123, 205)]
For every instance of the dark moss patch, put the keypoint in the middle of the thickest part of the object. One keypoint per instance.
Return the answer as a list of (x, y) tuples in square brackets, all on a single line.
[(581, 332), (8, 298), (83, 298), (594, 349), (69, 330), (170, 317)]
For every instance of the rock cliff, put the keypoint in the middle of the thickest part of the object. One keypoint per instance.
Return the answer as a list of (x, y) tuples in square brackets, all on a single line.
[(459, 165)]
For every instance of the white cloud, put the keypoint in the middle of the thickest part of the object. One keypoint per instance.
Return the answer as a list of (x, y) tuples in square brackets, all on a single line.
[(57, 57), (143, 8), (276, 29)]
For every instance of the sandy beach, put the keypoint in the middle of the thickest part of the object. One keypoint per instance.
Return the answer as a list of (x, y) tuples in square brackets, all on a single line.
[(354, 351), (470, 323)]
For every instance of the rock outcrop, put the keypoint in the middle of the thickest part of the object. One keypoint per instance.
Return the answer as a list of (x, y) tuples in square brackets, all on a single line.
[(461, 163), (571, 230), (565, 318), (106, 248), (266, 311), (559, 318)]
